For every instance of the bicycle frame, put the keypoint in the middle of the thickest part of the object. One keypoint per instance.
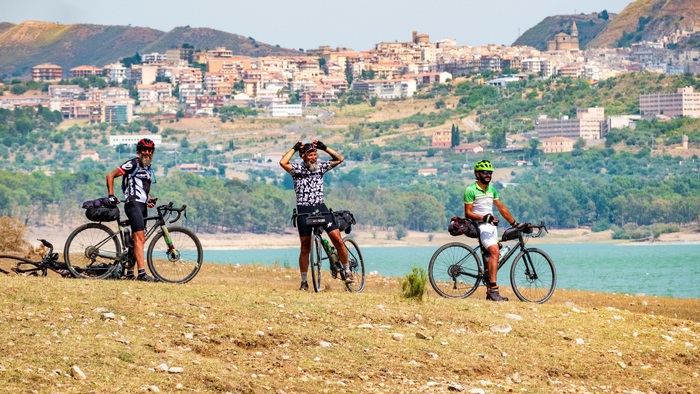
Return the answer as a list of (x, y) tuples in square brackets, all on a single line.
[(123, 257)]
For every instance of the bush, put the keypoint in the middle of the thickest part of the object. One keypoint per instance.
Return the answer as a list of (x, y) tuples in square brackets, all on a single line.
[(414, 285), (12, 239)]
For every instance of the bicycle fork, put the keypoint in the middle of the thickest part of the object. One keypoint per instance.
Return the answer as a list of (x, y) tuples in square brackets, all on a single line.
[(173, 254)]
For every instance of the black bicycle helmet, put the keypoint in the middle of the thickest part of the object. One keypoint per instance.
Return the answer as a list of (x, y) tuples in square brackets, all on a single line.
[(306, 148), (145, 143)]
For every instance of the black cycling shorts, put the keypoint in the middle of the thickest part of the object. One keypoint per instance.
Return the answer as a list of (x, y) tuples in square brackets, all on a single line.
[(136, 211), (304, 230)]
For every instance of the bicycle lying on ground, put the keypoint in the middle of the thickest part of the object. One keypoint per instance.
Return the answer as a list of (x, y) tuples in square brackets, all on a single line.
[(174, 255), (456, 270), (317, 221), (22, 266)]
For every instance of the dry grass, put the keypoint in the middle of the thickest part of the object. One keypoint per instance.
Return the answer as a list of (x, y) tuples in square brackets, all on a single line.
[(247, 329)]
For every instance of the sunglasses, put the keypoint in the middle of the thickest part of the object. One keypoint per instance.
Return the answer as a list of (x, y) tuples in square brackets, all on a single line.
[(147, 150), (487, 172)]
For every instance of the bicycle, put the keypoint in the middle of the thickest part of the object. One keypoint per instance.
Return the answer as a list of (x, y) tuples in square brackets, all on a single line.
[(317, 221), (22, 266), (455, 269), (95, 251)]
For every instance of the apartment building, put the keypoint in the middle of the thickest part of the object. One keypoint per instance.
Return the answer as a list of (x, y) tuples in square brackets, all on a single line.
[(47, 72), (557, 144), (156, 92), (117, 111), (66, 92), (143, 74), (685, 102), (115, 72), (589, 125), (387, 89), (85, 71)]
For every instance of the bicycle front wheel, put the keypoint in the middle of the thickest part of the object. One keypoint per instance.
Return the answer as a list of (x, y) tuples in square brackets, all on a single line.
[(357, 265), (315, 258), (533, 276), (454, 270), (13, 265), (179, 264), (92, 251)]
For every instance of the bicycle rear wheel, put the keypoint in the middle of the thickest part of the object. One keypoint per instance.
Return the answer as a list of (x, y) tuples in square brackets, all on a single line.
[(92, 251), (179, 264), (533, 276), (454, 270), (13, 265), (315, 258), (357, 265)]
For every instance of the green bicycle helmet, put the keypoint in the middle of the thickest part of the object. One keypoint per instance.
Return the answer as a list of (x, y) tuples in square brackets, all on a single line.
[(483, 165)]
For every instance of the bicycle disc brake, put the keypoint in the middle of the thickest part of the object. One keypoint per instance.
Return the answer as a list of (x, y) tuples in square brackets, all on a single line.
[(173, 255)]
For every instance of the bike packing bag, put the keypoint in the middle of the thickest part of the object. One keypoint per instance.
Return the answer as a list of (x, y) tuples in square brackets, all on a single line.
[(510, 234), (101, 210), (462, 226), (345, 220), (312, 221)]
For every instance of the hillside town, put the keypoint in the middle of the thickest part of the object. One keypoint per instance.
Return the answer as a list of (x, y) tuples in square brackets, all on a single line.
[(188, 82)]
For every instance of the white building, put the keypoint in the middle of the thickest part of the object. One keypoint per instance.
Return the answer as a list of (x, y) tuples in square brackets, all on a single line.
[(133, 139), (285, 110)]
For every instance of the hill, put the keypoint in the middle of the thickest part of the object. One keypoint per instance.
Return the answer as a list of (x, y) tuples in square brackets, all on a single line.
[(649, 20), (589, 26), (246, 329), (27, 44)]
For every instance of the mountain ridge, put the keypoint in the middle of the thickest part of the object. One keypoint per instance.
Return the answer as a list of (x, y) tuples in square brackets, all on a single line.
[(29, 43)]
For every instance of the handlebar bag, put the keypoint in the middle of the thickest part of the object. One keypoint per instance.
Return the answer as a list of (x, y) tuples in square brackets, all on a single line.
[(345, 220)]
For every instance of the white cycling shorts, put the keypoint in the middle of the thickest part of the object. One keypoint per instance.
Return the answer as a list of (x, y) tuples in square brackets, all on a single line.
[(489, 234)]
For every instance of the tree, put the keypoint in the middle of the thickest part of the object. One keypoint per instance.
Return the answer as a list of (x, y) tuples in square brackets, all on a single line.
[(455, 136)]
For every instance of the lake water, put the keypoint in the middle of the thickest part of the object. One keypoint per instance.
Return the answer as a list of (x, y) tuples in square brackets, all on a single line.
[(669, 270)]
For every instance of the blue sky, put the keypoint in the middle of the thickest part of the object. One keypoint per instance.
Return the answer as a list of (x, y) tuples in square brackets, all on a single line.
[(357, 24)]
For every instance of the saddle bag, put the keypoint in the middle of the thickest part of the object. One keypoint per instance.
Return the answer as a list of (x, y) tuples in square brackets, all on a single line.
[(462, 226), (101, 210), (345, 220)]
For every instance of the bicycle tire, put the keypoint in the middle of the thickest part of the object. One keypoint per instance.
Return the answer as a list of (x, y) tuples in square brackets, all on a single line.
[(9, 265), (454, 270), (91, 251), (315, 259), (357, 265), (171, 268), (533, 276)]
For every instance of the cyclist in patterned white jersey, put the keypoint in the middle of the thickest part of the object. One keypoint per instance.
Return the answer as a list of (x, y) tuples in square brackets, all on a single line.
[(308, 185), (136, 186)]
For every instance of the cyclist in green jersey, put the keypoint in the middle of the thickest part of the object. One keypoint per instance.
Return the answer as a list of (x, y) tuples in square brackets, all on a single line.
[(479, 199)]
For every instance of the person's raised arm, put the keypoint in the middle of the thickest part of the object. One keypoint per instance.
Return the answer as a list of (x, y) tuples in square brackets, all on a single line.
[(337, 158), (284, 161)]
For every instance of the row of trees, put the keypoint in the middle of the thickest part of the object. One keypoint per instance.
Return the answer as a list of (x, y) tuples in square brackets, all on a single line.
[(599, 188)]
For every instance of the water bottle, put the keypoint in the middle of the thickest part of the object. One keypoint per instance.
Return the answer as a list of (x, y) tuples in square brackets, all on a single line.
[(504, 252), (127, 237)]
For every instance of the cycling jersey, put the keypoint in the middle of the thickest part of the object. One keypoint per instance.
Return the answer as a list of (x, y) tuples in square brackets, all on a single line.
[(136, 183), (482, 199), (308, 185)]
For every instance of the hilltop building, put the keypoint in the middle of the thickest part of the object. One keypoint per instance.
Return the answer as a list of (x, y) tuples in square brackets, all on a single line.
[(564, 42), (557, 144)]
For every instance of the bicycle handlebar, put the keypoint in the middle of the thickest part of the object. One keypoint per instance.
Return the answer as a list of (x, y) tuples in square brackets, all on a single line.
[(169, 208)]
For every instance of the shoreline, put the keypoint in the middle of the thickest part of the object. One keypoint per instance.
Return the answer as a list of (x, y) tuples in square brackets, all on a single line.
[(375, 238)]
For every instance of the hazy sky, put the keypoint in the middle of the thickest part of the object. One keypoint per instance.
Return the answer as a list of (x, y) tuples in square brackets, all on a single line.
[(357, 24)]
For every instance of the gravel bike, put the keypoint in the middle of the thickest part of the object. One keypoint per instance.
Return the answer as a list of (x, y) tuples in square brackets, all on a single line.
[(319, 244), (174, 255), (455, 270), (22, 266)]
